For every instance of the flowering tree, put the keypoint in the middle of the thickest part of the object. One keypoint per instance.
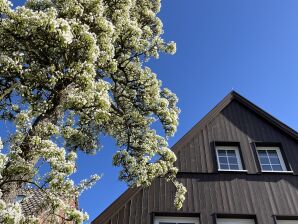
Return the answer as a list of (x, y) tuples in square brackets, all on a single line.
[(71, 70)]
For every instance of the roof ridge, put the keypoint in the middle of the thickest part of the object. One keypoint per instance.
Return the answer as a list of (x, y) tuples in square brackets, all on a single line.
[(266, 115), (233, 95)]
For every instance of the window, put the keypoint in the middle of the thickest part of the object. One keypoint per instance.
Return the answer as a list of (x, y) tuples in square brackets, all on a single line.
[(176, 220), (20, 198), (228, 158), (270, 159), (234, 221), (287, 221)]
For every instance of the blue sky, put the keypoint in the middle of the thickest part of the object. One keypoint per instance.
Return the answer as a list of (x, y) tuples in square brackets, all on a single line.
[(249, 46)]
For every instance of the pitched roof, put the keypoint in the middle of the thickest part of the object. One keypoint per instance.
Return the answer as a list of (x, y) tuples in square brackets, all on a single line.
[(233, 95), (34, 202), (118, 203), (33, 205)]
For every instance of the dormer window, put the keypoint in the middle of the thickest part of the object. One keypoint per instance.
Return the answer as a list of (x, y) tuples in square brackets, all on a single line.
[(228, 158), (20, 198), (271, 159)]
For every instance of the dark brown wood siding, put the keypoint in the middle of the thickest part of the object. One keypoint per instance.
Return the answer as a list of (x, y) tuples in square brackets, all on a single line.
[(211, 192), (222, 193), (235, 123)]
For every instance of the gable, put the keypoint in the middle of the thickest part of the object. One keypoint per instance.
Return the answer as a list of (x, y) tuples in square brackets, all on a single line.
[(233, 120)]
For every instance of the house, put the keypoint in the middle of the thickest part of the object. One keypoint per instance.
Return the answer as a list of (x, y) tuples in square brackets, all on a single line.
[(33, 204), (239, 165)]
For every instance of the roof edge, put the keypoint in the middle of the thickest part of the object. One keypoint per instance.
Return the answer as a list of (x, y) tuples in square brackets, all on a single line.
[(233, 95), (103, 216), (209, 116), (271, 119)]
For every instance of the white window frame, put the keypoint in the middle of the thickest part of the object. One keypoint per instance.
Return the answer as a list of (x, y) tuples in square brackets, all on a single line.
[(172, 219), (280, 221), (280, 157), (234, 220), (237, 152)]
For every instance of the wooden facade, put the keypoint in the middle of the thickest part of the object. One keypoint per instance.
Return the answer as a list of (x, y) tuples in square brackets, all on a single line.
[(251, 193)]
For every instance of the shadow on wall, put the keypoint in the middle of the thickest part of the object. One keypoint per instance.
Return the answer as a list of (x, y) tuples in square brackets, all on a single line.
[(256, 129)]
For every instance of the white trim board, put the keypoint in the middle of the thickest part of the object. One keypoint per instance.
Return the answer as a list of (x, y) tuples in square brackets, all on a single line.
[(234, 221), (177, 220)]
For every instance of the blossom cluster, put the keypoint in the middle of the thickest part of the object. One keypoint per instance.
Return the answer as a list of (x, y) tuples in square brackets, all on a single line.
[(70, 72)]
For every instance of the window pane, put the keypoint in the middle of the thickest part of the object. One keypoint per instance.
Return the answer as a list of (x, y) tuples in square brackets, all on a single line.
[(276, 167), (266, 167), (167, 223), (231, 153), (228, 159), (223, 160), (287, 221), (221, 152), (234, 167), (272, 153), (262, 153), (234, 221), (264, 160), (274, 161), (224, 167), (270, 159), (232, 160), (176, 220), (20, 198)]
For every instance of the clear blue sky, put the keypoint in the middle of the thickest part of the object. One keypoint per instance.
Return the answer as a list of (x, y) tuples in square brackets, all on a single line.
[(250, 46)]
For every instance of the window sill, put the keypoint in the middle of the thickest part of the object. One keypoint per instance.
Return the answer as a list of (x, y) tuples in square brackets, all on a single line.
[(290, 172), (240, 171)]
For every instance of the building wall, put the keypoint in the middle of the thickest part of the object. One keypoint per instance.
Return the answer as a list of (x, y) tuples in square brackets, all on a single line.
[(211, 192), (261, 195), (235, 123)]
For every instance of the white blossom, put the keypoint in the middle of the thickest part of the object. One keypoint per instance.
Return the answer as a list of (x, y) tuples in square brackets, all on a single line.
[(73, 71)]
